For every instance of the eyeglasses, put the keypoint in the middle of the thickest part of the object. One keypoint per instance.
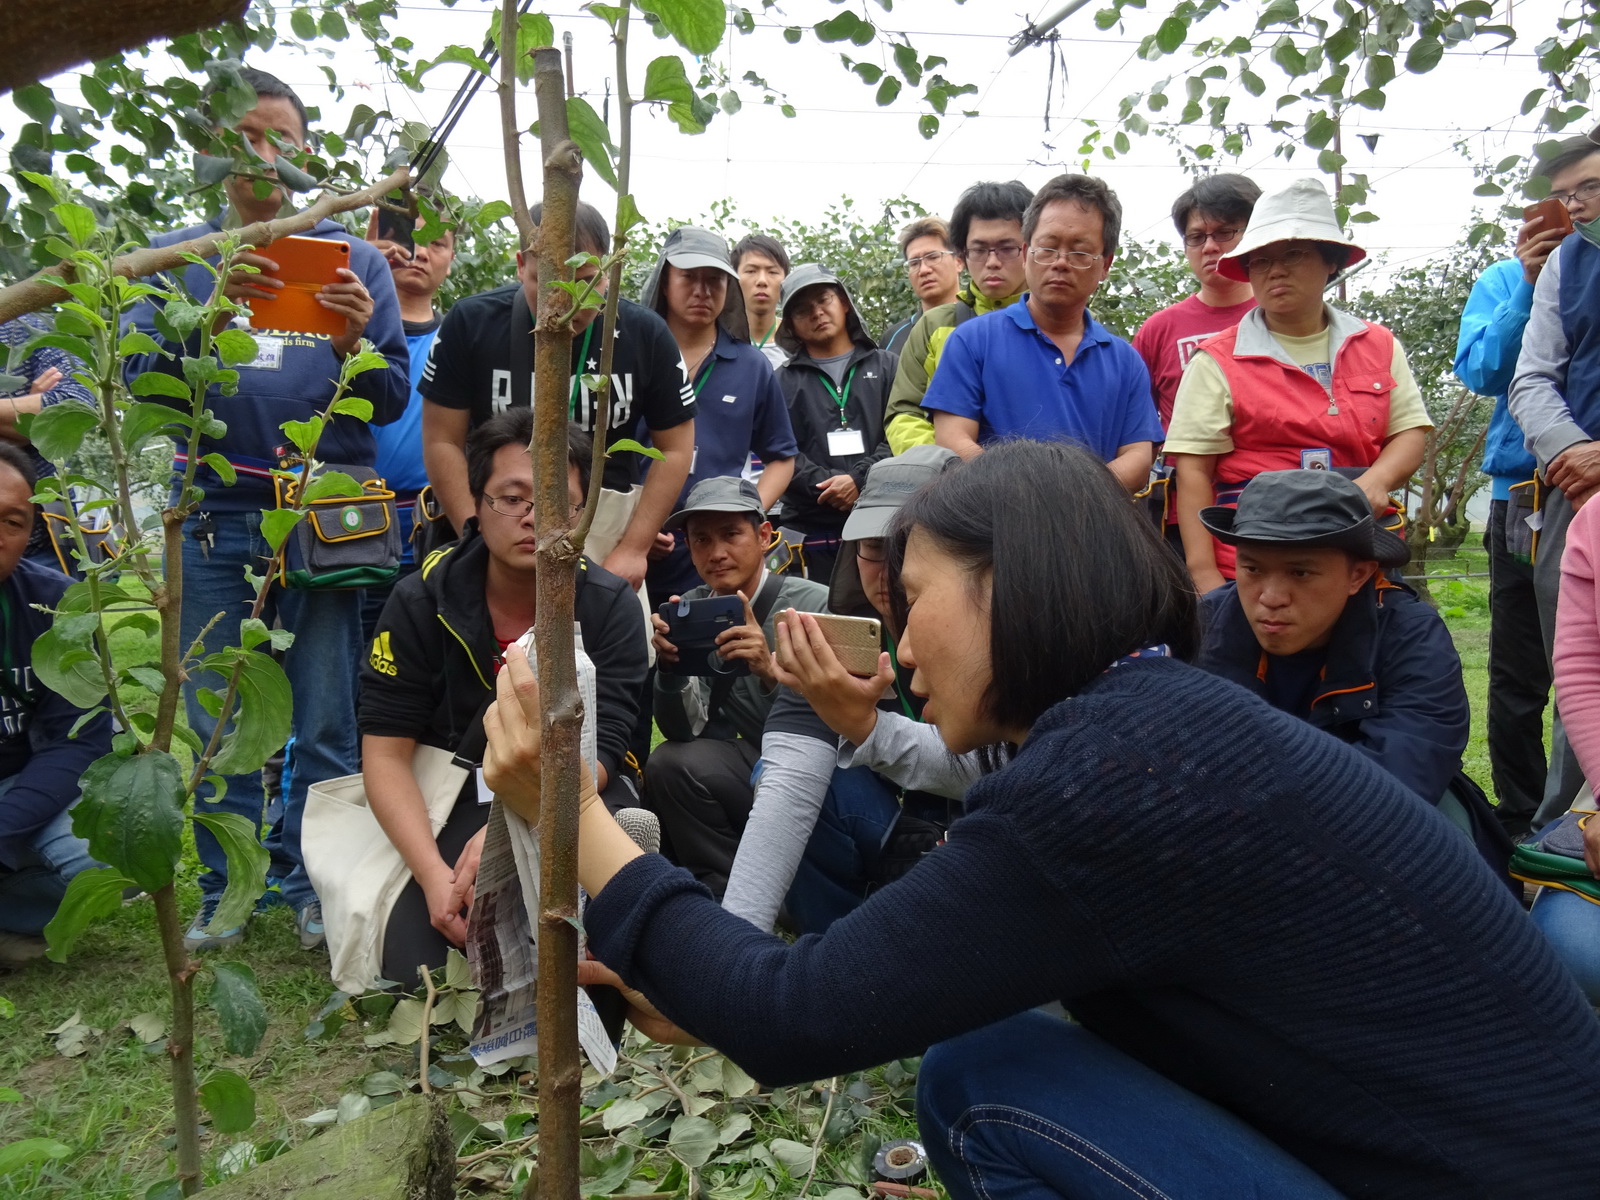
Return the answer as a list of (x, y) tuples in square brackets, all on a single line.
[(1078, 260), (510, 506), (1290, 259), (1222, 237), (1586, 192), (518, 506), (1008, 252), (872, 550), (929, 259)]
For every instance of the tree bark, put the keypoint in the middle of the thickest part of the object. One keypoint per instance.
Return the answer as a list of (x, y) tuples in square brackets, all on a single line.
[(560, 1073), (180, 1043), (43, 39), (44, 289)]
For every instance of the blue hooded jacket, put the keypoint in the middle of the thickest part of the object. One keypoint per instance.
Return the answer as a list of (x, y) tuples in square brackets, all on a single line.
[(292, 378), (1486, 358)]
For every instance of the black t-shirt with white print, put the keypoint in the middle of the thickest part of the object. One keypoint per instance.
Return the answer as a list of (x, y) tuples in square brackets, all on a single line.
[(469, 368)]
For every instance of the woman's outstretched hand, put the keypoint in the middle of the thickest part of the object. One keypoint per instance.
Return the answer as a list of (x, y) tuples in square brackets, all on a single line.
[(642, 1015), (513, 726)]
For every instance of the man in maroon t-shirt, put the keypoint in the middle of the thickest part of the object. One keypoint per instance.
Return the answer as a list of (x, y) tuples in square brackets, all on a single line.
[(1210, 216)]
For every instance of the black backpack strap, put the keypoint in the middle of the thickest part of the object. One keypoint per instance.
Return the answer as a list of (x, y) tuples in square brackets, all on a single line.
[(964, 313), (521, 351), (722, 685), (469, 750)]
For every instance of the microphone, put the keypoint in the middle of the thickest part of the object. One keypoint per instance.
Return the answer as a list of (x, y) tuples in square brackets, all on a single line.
[(643, 826)]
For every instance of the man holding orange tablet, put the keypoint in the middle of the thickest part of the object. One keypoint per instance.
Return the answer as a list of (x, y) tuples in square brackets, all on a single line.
[(299, 349)]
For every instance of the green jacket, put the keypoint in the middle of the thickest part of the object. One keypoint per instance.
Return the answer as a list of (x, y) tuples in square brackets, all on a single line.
[(905, 421)]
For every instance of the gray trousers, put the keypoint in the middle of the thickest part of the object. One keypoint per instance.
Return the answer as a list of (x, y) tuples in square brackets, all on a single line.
[(1565, 777)]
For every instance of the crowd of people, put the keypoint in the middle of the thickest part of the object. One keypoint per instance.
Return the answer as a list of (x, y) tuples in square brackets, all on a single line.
[(1150, 826)]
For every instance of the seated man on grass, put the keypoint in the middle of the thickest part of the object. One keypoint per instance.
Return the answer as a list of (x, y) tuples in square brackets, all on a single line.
[(430, 674), (1313, 626), (853, 788), (40, 759), (699, 780)]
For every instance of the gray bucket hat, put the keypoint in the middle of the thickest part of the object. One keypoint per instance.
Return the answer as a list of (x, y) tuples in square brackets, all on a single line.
[(689, 247), (1314, 509), (721, 493), (808, 275), (889, 484)]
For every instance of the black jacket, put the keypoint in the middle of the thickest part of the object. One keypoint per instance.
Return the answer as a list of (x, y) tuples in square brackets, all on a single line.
[(813, 412), (433, 659), (1391, 686), (37, 750)]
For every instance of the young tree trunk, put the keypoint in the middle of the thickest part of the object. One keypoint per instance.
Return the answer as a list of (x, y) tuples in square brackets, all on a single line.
[(180, 1043), (560, 1073)]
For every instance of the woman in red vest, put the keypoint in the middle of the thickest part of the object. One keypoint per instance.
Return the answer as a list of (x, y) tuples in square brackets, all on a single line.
[(1296, 383)]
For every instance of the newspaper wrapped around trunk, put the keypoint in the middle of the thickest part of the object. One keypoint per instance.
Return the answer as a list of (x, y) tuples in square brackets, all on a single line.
[(502, 934)]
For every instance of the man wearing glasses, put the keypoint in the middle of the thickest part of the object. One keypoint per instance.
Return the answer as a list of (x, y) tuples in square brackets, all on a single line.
[(934, 269), (1045, 369), (1210, 216), (986, 228), (1555, 396)]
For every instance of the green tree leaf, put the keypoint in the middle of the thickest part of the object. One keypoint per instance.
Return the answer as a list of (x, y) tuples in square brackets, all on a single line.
[(276, 524), (1424, 55), (230, 1100), (30, 1152), (65, 662), (157, 383), (304, 434), (234, 346), (248, 860), (696, 25), (224, 469), (131, 814), (593, 138), (330, 483), (693, 1140), (92, 894), (262, 720), (237, 1002), (1171, 33), (58, 430), (628, 445), (77, 220), (352, 406), (142, 421)]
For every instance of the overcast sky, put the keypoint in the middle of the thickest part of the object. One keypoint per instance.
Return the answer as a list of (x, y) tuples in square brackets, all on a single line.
[(842, 144)]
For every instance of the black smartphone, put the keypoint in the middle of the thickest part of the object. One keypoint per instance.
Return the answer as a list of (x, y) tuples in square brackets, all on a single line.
[(397, 227), (693, 627)]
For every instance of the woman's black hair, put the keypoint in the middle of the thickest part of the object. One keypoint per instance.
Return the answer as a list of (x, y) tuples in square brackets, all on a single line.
[(1078, 576)]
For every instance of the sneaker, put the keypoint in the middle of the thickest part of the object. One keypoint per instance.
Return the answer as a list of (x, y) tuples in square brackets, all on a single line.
[(19, 948), (308, 923), (197, 939)]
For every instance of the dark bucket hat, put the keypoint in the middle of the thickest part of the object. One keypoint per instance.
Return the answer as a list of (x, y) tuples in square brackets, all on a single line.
[(1314, 509)]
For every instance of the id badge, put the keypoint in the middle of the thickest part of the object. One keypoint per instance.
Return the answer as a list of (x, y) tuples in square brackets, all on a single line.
[(844, 442), (1316, 460), (269, 354)]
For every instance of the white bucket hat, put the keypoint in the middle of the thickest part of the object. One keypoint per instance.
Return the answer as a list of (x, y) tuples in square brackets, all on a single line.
[(1301, 212)]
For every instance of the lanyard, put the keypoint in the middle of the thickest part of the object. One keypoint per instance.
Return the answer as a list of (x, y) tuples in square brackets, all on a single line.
[(840, 398), (767, 337), (894, 660), (706, 372), (577, 376)]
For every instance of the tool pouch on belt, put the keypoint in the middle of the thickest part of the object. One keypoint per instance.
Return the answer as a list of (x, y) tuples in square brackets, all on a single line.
[(1523, 507), (787, 553), (430, 528), (57, 519), (343, 541), (1153, 499)]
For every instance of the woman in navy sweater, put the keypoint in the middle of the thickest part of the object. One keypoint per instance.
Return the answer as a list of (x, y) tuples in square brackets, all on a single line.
[(1289, 977)]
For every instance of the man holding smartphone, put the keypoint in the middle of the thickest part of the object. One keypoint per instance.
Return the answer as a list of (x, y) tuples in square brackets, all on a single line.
[(699, 780), (1554, 397)]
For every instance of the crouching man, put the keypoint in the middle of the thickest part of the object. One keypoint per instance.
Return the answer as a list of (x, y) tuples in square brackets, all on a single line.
[(699, 779), (40, 760), (1312, 626)]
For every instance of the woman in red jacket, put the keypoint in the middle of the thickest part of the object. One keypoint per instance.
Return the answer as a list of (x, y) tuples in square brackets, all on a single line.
[(1296, 383)]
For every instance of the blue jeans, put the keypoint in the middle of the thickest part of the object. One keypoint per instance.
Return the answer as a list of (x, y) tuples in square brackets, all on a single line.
[(1035, 1108), (322, 668), (857, 815), (1572, 925), (30, 895)]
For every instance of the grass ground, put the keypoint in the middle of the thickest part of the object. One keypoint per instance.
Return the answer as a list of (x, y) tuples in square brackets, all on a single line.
[(110, 1105)]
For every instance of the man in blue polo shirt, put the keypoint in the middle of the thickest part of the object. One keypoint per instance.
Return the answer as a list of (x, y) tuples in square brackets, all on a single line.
[(1045, 369)]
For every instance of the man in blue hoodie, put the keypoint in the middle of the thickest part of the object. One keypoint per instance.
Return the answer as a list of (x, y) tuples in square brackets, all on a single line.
[(40, 760), (293, 376), (1519, 673)]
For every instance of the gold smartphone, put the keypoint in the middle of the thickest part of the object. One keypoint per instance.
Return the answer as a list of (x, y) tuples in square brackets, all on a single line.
[(855, 641)]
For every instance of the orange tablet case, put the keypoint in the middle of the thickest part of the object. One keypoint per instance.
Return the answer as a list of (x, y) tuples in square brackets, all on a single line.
[(305, 265)]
